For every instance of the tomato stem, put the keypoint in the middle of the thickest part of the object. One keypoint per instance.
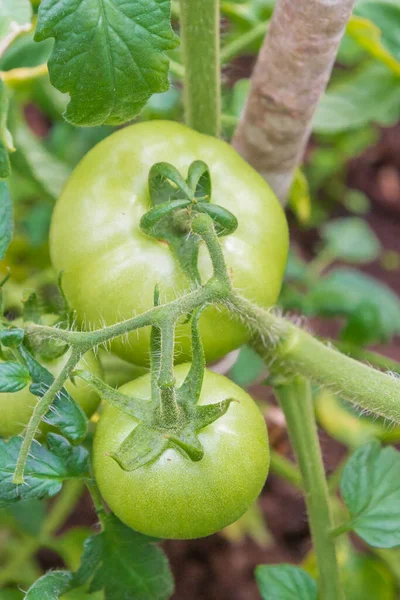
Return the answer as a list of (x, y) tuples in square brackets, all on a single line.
[(295, 399), (199, 23), (39, 412)]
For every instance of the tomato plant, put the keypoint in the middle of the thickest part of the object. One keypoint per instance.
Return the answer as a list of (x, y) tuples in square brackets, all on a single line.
[(176, 498), (110, 267), (151, 247)]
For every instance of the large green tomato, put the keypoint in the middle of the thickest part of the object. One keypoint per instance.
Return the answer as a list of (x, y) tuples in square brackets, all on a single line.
[(111, 268), (174, 497), (16, 408)]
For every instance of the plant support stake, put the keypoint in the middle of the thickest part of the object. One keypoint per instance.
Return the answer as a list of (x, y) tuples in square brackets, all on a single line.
[(290, 76)]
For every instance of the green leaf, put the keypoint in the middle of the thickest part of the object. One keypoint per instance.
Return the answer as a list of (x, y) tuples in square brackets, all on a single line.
[(15, 17), (45, 470), (370, 96), (109, 56), (351, 239), (285, 582), (126, 564), (50, 586), (369, 37), (343, 291), (6, 142), (13, 377), (6, 219), (386, 16), (370, 487), (29, 515), (247, 368)]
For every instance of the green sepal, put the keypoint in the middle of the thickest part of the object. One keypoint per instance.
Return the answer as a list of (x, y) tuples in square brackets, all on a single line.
[(166, 183), (12, 337), (208, 413), (224, 221), (186, 250), (189, 391), (151, 222), (143, 445), (188, 441), (199, 181), (169, 221), (136, 408)]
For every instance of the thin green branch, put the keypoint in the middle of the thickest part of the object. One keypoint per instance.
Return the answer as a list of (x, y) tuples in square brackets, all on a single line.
[(279, 340), (97, 500), (199, 21), (39, 412), (295, 399)]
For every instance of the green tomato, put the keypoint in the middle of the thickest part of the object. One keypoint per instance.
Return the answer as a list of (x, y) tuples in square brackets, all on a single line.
[(173, 497), (110, 267), (16, 408)]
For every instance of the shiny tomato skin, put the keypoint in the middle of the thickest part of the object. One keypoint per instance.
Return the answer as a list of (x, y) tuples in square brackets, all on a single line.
[(110, 268), (16, 408), (174, 497)]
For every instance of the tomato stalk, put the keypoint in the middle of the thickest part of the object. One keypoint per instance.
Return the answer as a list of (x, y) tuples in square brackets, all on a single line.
[(294, 397), (199, 21), (39, 412), (276, 338)]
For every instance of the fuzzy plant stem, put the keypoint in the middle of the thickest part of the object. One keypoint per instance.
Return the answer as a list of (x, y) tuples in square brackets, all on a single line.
[(295, 400), (199, 21), (276, 338), (281, 342)]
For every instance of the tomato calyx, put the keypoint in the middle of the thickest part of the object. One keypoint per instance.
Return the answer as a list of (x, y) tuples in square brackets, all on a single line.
[(176, 202), (171, 418)]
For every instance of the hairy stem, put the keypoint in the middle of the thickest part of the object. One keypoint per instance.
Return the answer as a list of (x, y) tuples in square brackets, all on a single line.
[(279, 341), (169, 408), (295, 400), (97, 500), (199, 20), (291, 73), (39, 412)]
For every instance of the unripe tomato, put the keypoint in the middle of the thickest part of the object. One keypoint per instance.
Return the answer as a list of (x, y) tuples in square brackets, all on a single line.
[(173, 497), (110, 267), (16, 408)]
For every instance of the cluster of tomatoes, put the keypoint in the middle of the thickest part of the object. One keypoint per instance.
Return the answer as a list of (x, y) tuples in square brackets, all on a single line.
[(110, 268)]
